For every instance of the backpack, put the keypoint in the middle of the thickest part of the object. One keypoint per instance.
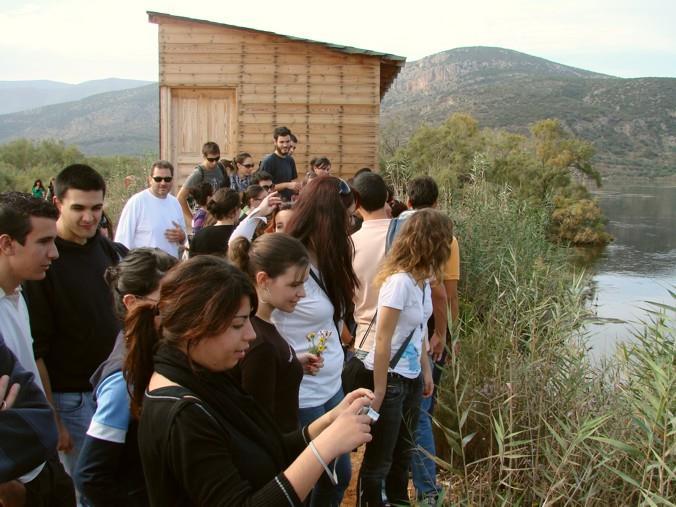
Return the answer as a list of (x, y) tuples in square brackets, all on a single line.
[(219, 167)]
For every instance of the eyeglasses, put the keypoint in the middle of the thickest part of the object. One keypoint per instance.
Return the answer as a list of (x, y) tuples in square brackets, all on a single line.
[(249, 166), (267, 188), (213, 159), (166, 179), (343, 188)]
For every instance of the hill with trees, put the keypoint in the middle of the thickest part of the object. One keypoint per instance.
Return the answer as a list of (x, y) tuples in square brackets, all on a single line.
[(631, 122), (122, 122)]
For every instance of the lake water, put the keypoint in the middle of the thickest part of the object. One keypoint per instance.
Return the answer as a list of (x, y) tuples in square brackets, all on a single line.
[(639, 266)]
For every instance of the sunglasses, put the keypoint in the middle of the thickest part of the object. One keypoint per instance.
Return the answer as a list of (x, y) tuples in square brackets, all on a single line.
[(166, 179), (213, 159), (249, 166), (343, 188), (267, 188)]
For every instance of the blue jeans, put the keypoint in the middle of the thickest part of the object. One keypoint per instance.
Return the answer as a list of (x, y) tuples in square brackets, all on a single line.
[(383, 476), (76, 411), (325, 494), (424, 469)]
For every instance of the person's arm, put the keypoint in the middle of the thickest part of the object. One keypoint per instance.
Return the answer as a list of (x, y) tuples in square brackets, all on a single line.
[(40, 302), (200, 458), (259, 374), (182, 198), (428, 381), (247, 227), (451, 278), (27, 430), (385, 326), (126, 225), (440, 312), (65, 442), (101, 457)]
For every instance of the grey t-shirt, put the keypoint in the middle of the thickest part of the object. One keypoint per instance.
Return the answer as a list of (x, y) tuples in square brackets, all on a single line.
[(217, 178)]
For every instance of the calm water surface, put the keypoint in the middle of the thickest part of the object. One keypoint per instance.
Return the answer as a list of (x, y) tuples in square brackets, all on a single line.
[(639, 266)]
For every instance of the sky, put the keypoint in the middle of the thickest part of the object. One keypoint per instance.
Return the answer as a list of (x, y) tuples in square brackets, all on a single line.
[(80, 40)]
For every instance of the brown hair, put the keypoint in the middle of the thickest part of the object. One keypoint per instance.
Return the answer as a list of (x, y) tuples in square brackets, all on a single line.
[(272, 223), (221, 204), (271, 253), (320, 221), (198, 300), (421, 248)]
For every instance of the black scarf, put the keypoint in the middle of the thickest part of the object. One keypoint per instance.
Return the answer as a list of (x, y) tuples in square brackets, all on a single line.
[(225, 400)]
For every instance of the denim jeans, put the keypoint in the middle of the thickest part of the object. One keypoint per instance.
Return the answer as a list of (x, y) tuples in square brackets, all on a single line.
[(383, 476), (424, 469), (325, 494), (76, 411)]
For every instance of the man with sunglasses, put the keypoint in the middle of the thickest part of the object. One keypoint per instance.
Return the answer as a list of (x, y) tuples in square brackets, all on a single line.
[(211, 170), (153, 217)]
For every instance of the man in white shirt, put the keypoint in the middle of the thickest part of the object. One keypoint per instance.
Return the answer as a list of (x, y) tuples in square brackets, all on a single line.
[(27, 248), (153, 217)]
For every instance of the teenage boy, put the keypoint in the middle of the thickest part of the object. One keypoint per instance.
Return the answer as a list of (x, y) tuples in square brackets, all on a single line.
[(211, 171), (27, 248), (282, 166), (71, 310), (153, 217), (263, 179), (369, 251)]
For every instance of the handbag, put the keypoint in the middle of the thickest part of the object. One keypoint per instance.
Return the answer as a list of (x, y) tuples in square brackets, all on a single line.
[(356, 375)]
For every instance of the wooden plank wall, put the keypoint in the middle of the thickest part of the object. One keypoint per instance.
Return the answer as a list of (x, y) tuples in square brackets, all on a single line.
[(330, 100)]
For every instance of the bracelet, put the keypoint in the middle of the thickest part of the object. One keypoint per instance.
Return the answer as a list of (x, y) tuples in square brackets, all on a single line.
[(332, 475)]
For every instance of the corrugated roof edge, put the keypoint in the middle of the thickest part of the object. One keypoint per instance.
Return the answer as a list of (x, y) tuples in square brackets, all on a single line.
[(337, 47)]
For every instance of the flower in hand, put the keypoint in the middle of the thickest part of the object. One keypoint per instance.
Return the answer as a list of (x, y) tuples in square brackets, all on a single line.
[(318, 341)]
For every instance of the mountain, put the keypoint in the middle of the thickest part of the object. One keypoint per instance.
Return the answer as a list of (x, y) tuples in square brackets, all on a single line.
[(21, 95), (114, 123), (632, 122)]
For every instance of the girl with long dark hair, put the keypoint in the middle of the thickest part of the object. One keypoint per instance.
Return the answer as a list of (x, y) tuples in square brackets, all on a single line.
[(320, 221), (202, 439), (109, 468)]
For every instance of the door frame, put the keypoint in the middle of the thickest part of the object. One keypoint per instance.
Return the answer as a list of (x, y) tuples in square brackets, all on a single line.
[(166, 93)]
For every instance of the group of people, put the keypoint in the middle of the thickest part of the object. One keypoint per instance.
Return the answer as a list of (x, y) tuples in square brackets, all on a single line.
[(221, 379)]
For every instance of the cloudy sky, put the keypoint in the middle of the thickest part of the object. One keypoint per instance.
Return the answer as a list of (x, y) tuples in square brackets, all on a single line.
[(78, 40)]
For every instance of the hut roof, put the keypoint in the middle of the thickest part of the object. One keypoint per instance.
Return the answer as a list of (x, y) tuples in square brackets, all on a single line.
[(390, 65)]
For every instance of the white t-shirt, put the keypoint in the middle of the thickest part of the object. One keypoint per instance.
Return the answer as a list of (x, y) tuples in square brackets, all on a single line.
[(401, 292), (312, 314), (16, 333), (144, 220)]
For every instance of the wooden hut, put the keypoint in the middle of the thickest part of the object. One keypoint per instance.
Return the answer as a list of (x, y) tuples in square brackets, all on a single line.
[(234, 85)]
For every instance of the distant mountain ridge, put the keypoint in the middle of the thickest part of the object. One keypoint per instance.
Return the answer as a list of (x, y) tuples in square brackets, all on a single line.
[(22, 95), (632, 122), (114, 123)]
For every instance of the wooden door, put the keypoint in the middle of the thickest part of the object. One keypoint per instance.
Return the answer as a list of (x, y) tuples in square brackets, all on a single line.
[(199, 115)]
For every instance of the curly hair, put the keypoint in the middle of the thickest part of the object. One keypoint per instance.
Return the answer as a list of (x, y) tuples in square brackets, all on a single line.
[(421, 248)]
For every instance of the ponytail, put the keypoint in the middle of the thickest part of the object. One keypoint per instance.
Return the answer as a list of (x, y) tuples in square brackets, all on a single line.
[(238, 254), (142, 337), (271, 253)]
